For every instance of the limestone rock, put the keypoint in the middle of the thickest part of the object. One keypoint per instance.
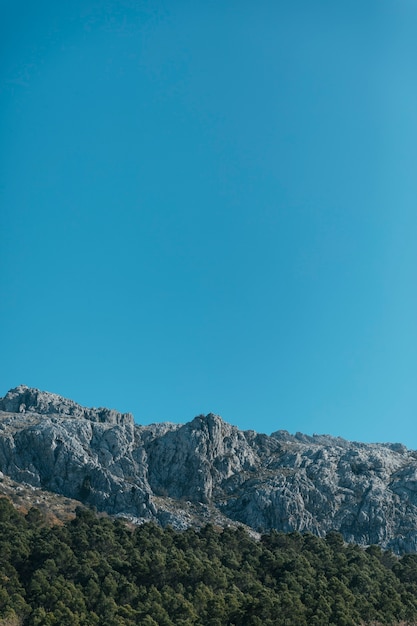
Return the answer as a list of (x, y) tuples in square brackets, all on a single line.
[(24, 399), (207, 470)]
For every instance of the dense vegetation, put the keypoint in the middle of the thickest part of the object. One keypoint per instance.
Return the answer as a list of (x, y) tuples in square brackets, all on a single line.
[(95, 571)]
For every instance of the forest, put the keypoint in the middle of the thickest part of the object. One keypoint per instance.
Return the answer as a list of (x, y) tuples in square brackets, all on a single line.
[(94, 570)]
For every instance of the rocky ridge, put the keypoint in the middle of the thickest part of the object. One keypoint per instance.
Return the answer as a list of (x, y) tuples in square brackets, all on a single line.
[(208, 470)]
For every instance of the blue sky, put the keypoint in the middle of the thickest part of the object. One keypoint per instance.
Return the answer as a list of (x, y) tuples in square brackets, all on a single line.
[(212, 206)]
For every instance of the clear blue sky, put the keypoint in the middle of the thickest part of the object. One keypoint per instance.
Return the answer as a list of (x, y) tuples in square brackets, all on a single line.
[(212, 206)]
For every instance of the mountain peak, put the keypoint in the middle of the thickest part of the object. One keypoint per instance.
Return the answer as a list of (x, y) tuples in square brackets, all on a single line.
[(208, 469), (24, 399)]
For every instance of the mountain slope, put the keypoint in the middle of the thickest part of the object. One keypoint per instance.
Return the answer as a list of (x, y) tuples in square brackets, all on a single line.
[(209, 470)]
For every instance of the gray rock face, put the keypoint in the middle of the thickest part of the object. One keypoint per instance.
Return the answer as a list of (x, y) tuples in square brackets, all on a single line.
[(208, 470), (26, 400)]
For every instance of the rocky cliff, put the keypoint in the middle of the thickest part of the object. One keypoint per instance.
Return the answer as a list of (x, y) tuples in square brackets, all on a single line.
[(208, 470)]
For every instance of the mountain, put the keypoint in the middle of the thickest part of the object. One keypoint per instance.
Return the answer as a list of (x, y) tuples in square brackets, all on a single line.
[(208, 470)]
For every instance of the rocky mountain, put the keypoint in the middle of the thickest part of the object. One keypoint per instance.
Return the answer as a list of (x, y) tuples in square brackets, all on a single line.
[(207, 470)]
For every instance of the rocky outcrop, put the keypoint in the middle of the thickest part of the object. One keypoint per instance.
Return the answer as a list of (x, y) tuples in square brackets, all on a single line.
[(26, 400), (208, 470), (192, 461)]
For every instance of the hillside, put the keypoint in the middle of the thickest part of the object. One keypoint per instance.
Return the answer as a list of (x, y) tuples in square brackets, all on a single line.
[(93, 571), (210, 471)]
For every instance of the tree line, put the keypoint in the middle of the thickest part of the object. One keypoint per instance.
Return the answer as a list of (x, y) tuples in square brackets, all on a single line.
[(97, 571)]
